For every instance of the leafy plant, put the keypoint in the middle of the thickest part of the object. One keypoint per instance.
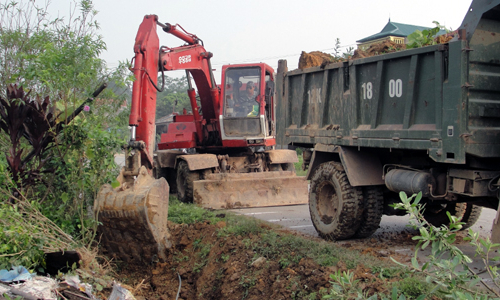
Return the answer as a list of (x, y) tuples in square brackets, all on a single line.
[(338, 55), (425, 37), (343, 286), (448, 267)]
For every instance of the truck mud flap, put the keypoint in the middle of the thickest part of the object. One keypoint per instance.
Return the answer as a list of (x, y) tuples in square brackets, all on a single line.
[(240, 190), (133, 221)]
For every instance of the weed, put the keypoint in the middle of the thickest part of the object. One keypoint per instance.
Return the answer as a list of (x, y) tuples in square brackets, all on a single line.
[(284, 262), (196, 243), (180, 258), (199, 266), (224, 257), (413, 287), (247, 242), (386, 272), (343, 286), (204, 251)]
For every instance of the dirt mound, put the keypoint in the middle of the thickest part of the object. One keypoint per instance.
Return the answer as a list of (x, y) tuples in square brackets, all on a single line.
[(314, 59), (386, 46), (211, 266), (318, 58)]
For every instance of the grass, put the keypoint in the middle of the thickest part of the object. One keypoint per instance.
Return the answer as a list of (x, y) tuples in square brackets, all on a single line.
[(298, 167), (272, 244), (287, 249)]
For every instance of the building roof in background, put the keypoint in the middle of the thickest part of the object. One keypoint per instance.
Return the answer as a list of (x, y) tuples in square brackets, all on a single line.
[(396, 29)]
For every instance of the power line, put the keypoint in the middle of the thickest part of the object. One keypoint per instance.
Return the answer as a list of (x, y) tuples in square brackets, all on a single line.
[(274, 57)]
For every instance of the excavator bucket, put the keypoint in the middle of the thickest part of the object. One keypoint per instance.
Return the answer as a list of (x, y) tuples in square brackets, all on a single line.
[(133, 218), (240, 190)]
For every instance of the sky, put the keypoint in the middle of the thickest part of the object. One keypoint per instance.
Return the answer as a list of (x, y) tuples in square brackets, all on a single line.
[(261, 30)]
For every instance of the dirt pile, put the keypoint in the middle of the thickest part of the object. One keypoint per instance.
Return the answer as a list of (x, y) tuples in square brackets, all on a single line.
[(386, 46), (211, 266), (314, 59), (318, 58)]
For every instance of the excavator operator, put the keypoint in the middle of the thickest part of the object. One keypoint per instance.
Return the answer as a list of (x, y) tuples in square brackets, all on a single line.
[(246, 100)]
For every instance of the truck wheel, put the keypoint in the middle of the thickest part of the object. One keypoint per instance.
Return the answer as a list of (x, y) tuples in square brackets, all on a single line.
[(185, 179), (334, 204), (471, 215), (436, 214), (373, 200)]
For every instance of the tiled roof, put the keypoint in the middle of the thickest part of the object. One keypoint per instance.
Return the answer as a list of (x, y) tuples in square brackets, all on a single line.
[(396, 29)]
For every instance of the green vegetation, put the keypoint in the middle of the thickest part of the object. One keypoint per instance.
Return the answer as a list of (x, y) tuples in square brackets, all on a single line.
[(298, 165), (54, 164), (448, 267), (425, 37)]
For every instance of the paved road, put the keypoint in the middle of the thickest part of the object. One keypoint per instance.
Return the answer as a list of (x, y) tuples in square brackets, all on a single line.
[(297, 217)]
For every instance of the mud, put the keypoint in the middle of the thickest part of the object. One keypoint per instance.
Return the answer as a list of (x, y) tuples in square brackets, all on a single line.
[(209, 266)]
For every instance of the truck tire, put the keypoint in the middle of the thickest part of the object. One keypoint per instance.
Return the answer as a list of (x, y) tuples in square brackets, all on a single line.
[(334, 204), (436, 215), (373, 200), (184, 180), (471, 215)]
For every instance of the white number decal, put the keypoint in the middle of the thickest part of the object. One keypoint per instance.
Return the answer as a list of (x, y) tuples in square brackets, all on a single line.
[(184, 59), (314, 95), (395, 88), (367, 90)]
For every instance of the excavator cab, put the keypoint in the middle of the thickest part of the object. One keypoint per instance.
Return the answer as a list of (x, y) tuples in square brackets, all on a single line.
[(248, 108)]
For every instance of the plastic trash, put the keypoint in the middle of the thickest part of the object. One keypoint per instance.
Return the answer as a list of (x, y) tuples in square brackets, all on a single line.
[(19, 273)]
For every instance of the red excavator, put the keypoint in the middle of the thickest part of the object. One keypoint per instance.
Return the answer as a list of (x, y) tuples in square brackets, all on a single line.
[(229, 138)]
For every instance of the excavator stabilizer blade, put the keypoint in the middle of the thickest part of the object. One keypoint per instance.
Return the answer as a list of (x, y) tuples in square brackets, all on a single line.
[(239, 190), (133, 220)]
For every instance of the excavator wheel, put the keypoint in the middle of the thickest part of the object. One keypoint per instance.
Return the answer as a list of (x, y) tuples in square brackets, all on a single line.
[(185, 179)]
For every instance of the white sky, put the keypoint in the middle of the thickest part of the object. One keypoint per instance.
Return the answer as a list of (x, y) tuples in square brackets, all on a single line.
[(238, 31)]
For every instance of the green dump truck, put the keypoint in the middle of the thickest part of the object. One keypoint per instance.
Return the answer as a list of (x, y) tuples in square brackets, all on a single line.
[(420, 120)]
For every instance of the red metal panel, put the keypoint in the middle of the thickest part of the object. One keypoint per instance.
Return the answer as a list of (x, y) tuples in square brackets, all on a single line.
[(234, 143), (179, 135)]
